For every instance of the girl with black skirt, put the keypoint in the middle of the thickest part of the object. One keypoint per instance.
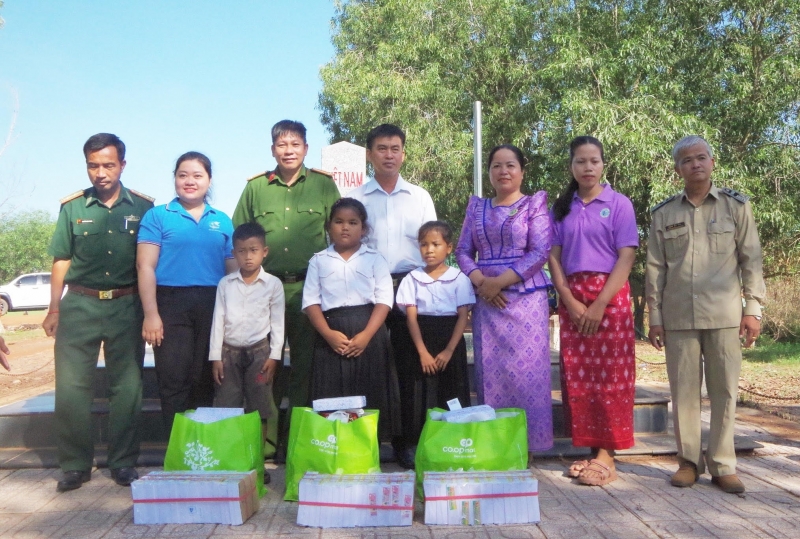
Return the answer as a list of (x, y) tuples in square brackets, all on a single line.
[(347, 295), (436, 299)]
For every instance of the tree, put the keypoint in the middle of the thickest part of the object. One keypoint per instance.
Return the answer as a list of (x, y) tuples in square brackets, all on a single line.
[(24, 238), (638, 74)]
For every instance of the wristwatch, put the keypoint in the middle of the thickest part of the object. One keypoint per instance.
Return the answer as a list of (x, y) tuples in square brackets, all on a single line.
[(757, 317)]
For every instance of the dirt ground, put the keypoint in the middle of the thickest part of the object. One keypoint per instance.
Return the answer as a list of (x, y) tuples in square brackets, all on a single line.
[(31, 358), (770, 388)]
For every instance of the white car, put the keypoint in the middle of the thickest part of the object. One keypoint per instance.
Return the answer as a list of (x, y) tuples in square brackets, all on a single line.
[(29, 291)]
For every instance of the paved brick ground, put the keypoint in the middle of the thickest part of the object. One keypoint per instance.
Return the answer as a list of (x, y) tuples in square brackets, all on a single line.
[(640, 504)]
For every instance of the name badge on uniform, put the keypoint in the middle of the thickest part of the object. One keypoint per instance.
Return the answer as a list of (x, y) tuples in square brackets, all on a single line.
[(131, 218), (674, 226), (84, 221)]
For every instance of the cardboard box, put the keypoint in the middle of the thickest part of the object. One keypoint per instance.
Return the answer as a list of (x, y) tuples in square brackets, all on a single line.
[(339, 403), (475, 498), (350, 500), (194, 498)]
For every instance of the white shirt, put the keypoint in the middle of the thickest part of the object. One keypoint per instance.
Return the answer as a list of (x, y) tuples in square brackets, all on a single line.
[(394, 219), (333, 282), (441, 297), (246, 313)]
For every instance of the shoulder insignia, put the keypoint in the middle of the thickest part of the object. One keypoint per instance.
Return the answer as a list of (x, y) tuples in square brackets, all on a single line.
[(662, 203), (142, 195), (73, 196), (323, 172), (265, 173), (736, 195)]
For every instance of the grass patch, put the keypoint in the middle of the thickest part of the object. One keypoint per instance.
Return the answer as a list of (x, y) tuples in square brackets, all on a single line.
[(13, 337), (776, 353)]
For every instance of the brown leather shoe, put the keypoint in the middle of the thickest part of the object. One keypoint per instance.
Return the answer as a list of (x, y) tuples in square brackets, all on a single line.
[(686, 476), (729, 483)]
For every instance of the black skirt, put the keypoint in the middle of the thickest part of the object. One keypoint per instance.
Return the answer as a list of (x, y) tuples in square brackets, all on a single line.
[(422, 391), (371, 374)]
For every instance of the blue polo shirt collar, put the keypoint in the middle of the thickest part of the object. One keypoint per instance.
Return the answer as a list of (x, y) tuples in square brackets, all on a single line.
[(174, 205)]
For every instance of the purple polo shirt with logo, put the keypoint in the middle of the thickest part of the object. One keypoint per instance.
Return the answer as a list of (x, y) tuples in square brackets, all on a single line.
[(591, 234)]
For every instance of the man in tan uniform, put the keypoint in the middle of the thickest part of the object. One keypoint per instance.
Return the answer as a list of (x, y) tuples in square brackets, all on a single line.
[(703, 256)]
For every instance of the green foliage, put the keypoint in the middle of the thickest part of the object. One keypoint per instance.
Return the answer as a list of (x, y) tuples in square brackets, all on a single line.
[(774, 353), (781, 317), (637, 74), (24, 238)]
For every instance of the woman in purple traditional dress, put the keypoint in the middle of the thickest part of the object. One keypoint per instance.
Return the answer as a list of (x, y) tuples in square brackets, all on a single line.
[(511, 235)]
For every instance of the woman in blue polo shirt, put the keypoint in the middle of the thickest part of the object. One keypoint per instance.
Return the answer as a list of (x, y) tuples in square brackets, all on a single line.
[(184, 250)]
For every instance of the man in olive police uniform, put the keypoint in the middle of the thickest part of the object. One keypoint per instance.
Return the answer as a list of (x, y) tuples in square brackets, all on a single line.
[(94, 253), (703, 257), (292, 203)]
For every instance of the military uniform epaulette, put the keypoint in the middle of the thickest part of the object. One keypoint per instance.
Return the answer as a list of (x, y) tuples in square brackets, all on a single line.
[(662, 203), (265, 173), (148, 198), (71, 197), (323, 172), (736, 195)]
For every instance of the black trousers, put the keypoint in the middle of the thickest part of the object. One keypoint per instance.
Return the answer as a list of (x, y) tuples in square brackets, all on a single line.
[(182, 366)]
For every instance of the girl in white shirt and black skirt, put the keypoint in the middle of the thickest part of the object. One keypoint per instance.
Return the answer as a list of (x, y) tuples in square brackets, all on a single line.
[(347, 295), (436, 299)]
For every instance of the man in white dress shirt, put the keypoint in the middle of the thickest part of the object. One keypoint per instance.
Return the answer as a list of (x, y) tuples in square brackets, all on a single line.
[(396, 209)]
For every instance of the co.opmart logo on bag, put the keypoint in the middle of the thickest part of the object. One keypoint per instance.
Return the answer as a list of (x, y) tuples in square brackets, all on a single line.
[(464, 451), (328, 446), (199, 457)]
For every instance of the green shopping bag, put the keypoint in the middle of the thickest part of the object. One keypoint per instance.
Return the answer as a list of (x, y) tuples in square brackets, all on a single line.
[(496, 445), (232, 445), (331, 447)]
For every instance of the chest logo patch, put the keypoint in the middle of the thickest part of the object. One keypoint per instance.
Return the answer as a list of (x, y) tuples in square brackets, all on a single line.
[(213, 225), (605, 212)]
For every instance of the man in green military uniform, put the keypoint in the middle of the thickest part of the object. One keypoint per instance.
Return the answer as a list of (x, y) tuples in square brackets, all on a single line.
[(292, 203), (94, 253)]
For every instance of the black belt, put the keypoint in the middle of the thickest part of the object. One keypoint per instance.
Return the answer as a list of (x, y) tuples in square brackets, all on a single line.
[(290, 278), (397, 277), (114, 293), (253, 346)]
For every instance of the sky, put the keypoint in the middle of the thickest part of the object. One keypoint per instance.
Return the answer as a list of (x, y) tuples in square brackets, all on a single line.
[(167, 77)]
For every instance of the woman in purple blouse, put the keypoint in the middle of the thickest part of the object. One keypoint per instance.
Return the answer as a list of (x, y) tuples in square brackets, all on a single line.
[(594, 247), (510, 234)]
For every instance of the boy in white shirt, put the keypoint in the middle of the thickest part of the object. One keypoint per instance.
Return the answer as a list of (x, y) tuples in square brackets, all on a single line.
[(247, 330)]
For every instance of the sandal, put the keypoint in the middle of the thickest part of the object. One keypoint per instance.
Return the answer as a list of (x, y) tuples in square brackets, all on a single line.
[(599, 474), (577, 467)]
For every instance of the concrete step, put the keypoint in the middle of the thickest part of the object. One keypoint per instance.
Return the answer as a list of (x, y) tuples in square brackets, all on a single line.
[(650, 413), (27, 426), (30, 423), (646, 444)]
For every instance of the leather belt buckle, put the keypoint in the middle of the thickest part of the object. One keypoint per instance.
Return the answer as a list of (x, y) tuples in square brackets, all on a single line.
[(105, 294)]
